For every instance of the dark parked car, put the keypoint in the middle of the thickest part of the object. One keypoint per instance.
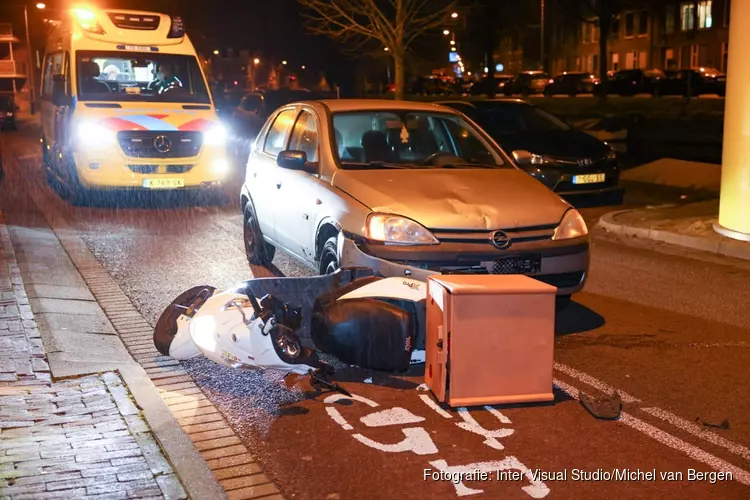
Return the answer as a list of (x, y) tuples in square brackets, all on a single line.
[(482, 87), (428, 85), (528, 82), (684, 81), (572, 84), (629, 82), (565, 159), (8, 110)]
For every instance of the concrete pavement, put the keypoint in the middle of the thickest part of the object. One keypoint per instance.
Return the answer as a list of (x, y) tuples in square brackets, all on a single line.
[(689, 224)]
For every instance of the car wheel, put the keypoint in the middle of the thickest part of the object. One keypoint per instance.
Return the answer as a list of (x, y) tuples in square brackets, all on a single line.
[(72, 190), (562, 302), (257, 250), (329, 257)]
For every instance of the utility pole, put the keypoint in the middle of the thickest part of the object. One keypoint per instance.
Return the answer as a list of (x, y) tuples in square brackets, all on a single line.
[(32, 72), (541, 37)]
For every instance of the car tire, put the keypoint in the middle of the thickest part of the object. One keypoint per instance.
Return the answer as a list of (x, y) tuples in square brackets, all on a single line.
[(329, 257), (257, 250), (74, 192), (562, 302)]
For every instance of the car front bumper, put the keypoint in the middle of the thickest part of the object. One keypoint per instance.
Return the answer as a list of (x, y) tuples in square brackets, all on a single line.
[(565, 267)]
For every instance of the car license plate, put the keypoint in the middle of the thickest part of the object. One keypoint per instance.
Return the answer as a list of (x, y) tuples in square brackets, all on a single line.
[(588, 178), (163, 183), (519, 264)]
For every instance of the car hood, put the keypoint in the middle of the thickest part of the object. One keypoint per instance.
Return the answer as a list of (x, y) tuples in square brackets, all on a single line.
[(472, 199), (561, 144)]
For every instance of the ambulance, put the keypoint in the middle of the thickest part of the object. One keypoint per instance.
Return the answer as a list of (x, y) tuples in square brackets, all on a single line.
[(125, 104)]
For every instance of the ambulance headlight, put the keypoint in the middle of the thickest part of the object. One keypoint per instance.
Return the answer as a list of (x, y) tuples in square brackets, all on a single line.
[(93, 135), (215, 136)]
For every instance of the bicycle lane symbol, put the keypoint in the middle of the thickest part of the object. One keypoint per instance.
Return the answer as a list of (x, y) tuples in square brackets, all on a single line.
[(417, 440)]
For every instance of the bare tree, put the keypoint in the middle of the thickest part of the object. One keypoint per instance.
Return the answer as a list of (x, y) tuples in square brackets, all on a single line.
[(363, 26)]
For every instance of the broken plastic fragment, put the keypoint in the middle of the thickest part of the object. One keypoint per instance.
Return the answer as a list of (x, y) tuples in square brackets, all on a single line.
[(723, 425), (605, 407)]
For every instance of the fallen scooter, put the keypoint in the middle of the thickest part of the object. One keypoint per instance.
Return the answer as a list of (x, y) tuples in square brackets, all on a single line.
[(360, 318)]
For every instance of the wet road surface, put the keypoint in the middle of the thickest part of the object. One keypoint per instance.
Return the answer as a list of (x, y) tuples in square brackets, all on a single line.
[(668, 328)]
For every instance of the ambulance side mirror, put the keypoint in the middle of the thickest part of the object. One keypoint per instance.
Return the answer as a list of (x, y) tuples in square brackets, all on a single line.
[(59, 94)]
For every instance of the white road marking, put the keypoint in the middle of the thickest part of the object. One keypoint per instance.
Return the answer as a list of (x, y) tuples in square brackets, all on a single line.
[(498, 415), (671, 441), (337, 397), (432, 404), (368, 380), (423, 387), (596, 383), (698, 431), (537, 489), (416, 440), (392, 416), (338, 418), (491, 437)]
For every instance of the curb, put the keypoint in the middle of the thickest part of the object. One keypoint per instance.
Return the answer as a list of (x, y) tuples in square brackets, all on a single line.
[(204, 450), (726, 247)]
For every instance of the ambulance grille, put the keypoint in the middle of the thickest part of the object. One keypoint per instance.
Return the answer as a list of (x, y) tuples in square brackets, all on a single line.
[(135, 21)]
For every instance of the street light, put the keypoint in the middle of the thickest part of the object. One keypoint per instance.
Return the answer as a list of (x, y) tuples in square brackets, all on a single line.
[(453, 42), (303, 66), (216, 52), (256, 61), (446, 32), (40, 5), (454, 15), (283, 62), (386, 49)]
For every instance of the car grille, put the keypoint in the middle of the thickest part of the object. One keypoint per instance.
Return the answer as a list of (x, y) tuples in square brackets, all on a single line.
[(515, 235), (134, 21), (160, 169), (142, 143)]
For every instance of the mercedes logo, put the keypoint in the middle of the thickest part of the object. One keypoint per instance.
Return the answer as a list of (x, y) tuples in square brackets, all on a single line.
[(500, 240), (162, 144), (585, 162)]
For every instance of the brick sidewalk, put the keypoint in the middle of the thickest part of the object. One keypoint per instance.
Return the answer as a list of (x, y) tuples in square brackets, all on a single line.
[(77, 438)]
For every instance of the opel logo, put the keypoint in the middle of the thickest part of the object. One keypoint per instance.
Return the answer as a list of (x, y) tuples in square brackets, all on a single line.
[(500, 240), (162, 144), (586, 162)]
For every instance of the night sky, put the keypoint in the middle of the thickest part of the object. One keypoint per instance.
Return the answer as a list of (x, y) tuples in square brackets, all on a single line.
[(273, 27)]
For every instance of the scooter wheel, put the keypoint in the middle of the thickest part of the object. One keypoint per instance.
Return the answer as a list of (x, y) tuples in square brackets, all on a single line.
[(166, 326)]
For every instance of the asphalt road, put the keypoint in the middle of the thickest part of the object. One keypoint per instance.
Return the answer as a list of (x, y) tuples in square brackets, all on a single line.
[(666, 327)]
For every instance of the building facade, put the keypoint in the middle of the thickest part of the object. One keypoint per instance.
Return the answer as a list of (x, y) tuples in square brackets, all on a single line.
[(666, 35)]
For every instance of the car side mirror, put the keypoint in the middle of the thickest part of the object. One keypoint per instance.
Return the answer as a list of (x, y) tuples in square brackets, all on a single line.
[(59, 95), (523, 157), (295, 160)]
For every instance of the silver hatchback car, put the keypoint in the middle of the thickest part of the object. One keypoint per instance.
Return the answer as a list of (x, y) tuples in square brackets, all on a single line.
[(405, 188)]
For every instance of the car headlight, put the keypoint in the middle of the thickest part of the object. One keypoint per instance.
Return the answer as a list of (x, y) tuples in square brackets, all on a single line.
[(571, 226), (215, 136), (94, 135), (398, 230)]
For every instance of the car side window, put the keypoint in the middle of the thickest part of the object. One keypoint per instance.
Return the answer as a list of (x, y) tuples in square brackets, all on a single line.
[(52, 67), (305, 136), (278, 133)]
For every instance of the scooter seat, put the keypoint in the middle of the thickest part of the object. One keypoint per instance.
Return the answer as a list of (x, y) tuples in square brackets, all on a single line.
[(365, 332)]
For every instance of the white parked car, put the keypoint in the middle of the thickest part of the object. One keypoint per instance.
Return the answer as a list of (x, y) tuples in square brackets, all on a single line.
[(407, 189)]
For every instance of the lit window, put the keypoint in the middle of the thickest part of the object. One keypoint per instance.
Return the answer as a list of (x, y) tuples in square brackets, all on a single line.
[(687, 15)]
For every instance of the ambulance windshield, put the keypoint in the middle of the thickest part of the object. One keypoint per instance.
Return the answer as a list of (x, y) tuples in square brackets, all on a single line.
[(139, 77)]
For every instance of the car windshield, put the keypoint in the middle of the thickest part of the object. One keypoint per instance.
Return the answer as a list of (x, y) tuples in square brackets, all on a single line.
[(514, 119), (410, 139), (139, 77)]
